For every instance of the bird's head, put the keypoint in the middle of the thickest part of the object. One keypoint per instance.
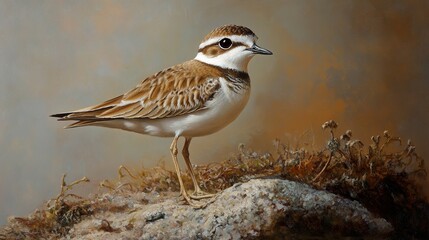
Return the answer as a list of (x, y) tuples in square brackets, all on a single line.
[(230, 47)]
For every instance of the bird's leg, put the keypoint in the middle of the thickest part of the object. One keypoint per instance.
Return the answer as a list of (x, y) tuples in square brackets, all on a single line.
[(198, 193), (173, 150)]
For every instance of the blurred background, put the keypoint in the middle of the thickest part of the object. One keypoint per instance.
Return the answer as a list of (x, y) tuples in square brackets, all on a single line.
[(363, 63)]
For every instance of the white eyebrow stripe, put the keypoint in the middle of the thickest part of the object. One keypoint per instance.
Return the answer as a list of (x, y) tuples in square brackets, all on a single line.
[(235, 38)]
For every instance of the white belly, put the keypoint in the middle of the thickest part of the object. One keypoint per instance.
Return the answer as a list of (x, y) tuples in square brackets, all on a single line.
[(221, 111)]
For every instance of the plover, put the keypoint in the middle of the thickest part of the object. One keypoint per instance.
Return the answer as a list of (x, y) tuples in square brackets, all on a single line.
[(191, 99)]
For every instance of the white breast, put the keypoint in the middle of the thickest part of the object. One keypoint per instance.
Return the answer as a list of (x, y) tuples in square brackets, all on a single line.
[(224, 108)]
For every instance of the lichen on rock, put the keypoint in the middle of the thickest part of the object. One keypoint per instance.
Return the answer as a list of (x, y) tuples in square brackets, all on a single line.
[(255, 209)]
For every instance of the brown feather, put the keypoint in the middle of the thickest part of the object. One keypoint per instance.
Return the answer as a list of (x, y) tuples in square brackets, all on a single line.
[(178, 90), (144, 111), (119, 111)]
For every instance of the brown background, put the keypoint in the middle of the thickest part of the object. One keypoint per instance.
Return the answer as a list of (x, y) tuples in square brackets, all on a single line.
[(362, 63)]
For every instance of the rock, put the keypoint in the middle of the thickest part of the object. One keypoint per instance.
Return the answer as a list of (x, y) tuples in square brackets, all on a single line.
[(259, 208)]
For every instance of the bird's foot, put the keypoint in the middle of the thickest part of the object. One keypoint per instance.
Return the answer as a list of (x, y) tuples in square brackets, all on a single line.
[(194, 202), (200, 194)]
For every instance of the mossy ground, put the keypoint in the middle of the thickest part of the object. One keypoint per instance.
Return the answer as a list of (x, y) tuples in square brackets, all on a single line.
[(383, 178)]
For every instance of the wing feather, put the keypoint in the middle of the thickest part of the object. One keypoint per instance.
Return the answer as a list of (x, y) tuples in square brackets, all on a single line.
[(179, 90)]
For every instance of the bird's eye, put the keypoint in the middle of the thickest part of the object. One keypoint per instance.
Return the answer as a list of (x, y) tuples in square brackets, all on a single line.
[(225, 43)]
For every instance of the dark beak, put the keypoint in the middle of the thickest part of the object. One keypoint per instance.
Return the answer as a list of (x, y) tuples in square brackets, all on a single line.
[(258, 50)]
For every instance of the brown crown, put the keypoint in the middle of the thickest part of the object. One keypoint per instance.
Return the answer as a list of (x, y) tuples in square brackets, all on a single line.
[(229, 30)]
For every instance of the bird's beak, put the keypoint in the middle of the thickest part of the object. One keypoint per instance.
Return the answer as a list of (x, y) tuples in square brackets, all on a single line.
[(258, 50)]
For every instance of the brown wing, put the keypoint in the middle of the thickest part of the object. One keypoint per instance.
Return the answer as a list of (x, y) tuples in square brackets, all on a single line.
[(182, 89)]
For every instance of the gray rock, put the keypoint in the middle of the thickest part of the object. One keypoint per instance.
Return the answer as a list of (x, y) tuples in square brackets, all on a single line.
[(255, 209)]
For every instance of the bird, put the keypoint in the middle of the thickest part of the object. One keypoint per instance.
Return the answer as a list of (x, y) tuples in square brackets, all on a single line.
[(192, 99)]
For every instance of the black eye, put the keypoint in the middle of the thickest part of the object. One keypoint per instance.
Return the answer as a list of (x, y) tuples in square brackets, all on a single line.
[(225, 43)]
